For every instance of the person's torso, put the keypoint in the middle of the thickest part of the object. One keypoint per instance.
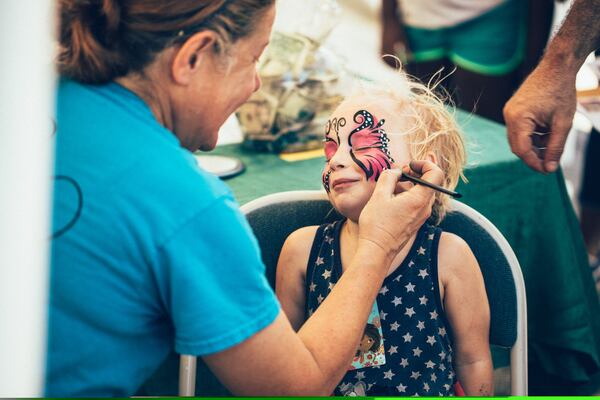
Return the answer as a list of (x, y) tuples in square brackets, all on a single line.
[(123, 184), (416, 334), (436, 14)]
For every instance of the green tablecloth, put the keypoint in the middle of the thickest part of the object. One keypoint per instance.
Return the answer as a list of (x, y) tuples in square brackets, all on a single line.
[(533, 212)]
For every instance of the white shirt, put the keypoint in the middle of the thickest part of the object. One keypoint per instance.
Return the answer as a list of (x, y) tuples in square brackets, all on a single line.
[(434, 14)]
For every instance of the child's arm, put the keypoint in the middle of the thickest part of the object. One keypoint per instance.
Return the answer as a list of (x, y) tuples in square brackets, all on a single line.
[(291, 274), (466, 306)]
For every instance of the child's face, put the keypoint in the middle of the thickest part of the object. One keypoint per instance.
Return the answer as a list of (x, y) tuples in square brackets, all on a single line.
[(361, 141)]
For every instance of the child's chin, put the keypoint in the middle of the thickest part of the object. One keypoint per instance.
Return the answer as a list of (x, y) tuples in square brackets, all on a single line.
[(350, 208)]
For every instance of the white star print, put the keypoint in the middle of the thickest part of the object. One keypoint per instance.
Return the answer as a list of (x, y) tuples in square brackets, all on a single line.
[(397, 301), (388, 375), (397, 279), (426, 386), (313, 287), (442, 367), (433, 378), (417, 352), (328, 239), (404, 362), (410, 311), (411, 263), (326, 274), (433, 315), (332, 253), (394, 326), (421, 325), (431, 340), (360, 375), (415, 375), (430, 364), (382, 315), (451, 375), (423, 300), (421, 251), (410, 287), (393, 350), (331, 285), (401, 388), (407, 338), (430, 237), (311, 312), (442, 332), (384, 290), (447, 387), (442, 355), (319, 261), (423, 273), (320, 299)]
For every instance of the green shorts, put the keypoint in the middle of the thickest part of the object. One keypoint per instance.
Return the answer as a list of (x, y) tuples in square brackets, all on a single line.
[(491, 44)]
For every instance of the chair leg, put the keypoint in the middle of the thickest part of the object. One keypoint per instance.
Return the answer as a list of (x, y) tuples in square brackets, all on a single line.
[(187, 376)]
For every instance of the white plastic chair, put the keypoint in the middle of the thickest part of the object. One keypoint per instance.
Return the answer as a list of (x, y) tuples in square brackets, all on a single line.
[(274, 217)]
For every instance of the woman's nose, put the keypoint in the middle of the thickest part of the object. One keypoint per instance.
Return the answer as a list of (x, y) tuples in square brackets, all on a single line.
[(257, 81)]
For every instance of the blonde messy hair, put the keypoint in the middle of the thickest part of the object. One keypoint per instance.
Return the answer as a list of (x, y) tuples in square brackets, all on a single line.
[(433, 126)]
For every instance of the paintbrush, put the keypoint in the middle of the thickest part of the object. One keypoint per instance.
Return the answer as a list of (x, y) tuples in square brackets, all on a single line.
[(418, 181)]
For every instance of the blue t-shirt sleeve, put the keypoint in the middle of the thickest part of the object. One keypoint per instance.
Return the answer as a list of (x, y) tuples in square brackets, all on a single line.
[(214, 281)]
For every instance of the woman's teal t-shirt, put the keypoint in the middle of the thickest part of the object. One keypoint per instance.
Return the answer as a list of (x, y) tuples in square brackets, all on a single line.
[(149, 252)]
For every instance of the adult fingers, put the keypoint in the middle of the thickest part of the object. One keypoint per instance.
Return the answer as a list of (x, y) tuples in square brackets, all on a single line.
[(429, 172), (519, 130), (561, 125), (386, 184)]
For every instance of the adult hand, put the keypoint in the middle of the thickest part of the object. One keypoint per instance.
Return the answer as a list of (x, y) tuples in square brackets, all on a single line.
[(388, 220), (546, 100)]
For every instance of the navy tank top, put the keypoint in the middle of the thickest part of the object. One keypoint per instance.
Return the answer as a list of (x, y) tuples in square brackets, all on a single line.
[(416, 334)]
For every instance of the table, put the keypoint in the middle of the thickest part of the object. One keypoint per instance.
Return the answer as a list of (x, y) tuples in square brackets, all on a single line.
[(534, 213)]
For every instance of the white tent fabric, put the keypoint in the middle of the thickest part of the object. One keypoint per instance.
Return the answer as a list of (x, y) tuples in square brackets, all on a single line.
[(26, 144)]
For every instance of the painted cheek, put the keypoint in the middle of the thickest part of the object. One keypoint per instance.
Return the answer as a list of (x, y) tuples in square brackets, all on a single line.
[(372, 161)]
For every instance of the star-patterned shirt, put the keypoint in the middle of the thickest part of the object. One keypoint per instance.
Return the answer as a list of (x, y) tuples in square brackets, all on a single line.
[(416, 334)]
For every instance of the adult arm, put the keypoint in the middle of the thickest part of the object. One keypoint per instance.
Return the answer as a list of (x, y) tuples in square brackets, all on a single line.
[(279, 361), (468, 313), (393, 36), (547, 97)]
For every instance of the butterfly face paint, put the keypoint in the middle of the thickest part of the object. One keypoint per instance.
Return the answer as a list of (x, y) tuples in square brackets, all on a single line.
[(369, 145), (331, 145)]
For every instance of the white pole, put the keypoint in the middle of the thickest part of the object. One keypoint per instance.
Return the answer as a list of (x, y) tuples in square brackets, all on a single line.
[(26, 108)]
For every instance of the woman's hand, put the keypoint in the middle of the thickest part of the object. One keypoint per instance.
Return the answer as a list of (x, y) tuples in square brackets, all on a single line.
[(388, 220)]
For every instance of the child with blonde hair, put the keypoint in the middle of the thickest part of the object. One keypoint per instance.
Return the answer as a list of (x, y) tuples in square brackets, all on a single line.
[(432, 313)]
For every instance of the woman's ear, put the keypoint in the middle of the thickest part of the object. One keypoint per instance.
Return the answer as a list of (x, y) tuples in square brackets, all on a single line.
[(192, 55)]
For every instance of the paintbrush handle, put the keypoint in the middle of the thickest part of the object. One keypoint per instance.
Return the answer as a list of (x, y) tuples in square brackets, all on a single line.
[(456, 195)]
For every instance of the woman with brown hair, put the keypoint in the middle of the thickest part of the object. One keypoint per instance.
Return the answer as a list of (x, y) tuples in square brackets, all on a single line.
[(149, 252)]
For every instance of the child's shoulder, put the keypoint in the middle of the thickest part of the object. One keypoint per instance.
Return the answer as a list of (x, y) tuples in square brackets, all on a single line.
[(297, 246), (454, 254)]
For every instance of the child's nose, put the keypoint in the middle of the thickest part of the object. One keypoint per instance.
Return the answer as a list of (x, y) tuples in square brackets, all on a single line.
[(341, 159)]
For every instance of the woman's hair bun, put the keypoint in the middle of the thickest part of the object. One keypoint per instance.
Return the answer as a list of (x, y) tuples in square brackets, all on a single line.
[(89, 48)]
